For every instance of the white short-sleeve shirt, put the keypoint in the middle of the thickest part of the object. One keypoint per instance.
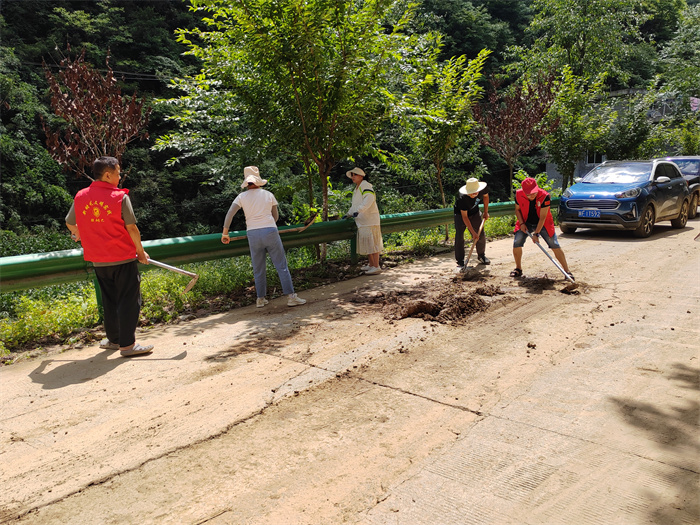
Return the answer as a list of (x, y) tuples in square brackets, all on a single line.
[(257, 206)]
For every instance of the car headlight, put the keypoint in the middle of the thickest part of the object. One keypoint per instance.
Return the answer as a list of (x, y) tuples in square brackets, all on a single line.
[(627, 194), (567, 193)]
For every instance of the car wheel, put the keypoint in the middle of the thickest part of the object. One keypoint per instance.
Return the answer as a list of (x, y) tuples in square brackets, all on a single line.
[(567, 229), (693, 209), (646, 225), (682, 219)]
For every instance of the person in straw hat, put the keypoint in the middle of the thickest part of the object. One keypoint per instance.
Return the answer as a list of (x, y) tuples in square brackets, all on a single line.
[(364, 210), (468, 217), (261, 215)]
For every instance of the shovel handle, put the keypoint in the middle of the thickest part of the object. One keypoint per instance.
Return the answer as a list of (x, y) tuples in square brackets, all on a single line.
[(171, 268), (566, 275), (481, 228)]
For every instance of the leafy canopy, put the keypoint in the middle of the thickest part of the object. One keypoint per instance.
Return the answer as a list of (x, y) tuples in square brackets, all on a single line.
[(591, 37), (441, 102)]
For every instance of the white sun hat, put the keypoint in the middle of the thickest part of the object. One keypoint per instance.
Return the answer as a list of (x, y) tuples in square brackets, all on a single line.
[(251, 174)]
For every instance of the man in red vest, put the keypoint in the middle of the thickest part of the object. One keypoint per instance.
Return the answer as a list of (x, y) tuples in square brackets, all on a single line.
[(532, 205), (103, 220)]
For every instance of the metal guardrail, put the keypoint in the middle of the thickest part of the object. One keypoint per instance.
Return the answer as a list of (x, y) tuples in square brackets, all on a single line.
[(36, 270)]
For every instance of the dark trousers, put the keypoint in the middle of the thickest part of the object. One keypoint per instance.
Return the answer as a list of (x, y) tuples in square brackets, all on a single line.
[(460, 228), (121, 297)]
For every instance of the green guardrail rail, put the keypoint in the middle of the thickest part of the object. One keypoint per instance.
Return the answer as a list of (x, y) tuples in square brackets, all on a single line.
[(36, 270)]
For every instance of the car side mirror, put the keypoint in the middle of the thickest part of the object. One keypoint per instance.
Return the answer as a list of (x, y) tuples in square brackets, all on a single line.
[(578, 179), (662, 180)]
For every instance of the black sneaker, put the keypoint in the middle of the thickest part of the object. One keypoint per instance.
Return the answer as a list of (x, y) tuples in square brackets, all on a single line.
[(483, 259)]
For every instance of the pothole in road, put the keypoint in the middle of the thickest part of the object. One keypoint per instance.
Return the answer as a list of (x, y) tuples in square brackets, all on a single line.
[(445, 302)]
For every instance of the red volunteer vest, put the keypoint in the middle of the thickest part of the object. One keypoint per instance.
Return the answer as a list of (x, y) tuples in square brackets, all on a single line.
[(524, 204), (98, 215)]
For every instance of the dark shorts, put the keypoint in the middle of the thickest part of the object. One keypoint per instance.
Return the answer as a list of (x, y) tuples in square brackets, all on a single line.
[(521, 237)]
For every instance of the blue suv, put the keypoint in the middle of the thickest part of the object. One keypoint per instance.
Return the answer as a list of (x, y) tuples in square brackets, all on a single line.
[(626, 195)]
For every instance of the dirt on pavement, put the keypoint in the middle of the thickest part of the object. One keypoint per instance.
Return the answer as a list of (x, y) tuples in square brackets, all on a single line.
[(409, 397)]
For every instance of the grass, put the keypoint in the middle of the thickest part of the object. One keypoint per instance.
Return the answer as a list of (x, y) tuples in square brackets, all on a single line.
[(57, 314)]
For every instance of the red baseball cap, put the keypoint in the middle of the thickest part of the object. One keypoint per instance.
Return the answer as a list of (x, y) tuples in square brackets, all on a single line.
[(529, 185)]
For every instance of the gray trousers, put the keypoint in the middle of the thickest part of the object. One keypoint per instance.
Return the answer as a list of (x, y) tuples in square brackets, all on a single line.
[(268, 240)]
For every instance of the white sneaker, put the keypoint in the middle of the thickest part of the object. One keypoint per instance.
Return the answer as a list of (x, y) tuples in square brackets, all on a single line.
[(373, 270), (365, 268), (294, 300), (261, 302)]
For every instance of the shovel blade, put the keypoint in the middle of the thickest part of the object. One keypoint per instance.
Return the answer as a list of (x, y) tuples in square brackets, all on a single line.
[(191, 284)]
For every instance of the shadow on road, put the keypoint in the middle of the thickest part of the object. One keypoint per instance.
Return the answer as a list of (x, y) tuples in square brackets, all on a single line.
[(74, 372)]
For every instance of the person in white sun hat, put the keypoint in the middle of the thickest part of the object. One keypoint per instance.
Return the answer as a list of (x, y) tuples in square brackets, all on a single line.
[(364, 210), (468, 217), (261, 215)]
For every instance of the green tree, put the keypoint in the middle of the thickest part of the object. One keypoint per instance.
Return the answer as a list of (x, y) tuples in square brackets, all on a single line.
[(583, 121), (305, 79), (442, 104), (680, 59), (32, 187), (591, 37)]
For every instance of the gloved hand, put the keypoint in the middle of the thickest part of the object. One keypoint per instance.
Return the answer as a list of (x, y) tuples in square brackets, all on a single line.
[(350, 216)]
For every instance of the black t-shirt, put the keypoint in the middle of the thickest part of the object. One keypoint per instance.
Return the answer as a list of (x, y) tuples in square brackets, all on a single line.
[(464, 202), (533, 217)]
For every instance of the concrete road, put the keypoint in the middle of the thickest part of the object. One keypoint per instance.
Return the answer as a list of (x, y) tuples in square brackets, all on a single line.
[(546, 408)]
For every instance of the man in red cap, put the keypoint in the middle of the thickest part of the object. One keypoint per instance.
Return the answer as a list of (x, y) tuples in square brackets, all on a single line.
[(532, 205)]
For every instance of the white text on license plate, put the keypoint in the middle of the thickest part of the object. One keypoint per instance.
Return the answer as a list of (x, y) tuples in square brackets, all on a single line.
[(594, 214)]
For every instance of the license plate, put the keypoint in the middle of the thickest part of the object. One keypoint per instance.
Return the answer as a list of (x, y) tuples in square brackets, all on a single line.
[(593, 214)]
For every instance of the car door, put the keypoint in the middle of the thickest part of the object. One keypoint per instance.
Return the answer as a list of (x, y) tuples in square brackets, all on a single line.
[(669, 195), (663, 192), (679, 187)]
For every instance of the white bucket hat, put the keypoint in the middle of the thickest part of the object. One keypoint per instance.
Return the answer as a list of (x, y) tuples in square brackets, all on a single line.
[(356, 171), (251, 174), (472, 186)]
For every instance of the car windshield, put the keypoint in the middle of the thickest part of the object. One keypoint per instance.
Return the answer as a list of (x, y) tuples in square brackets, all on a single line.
[(688, 166), (619, 174)]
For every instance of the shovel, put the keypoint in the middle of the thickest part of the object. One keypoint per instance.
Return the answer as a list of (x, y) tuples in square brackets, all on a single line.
[(572, 284), (177, 270), (471, 272)]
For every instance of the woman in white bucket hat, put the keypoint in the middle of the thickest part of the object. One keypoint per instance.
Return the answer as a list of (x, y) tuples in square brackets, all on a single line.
[(261, 215), (468, 217), (364, 210)]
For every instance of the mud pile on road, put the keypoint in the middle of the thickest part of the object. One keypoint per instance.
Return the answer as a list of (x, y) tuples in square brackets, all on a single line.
[(445, 302)]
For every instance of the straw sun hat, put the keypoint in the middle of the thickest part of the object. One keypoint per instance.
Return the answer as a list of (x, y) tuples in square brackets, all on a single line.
[(472, 186)]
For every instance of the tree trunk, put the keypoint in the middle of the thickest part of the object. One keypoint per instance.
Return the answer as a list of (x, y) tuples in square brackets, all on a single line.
[(444, 203), (310, 177), (323, 173), (510, 179), (567, 175)]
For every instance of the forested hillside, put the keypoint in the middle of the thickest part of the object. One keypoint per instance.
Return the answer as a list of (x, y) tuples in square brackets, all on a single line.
[(205, 124)]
